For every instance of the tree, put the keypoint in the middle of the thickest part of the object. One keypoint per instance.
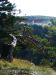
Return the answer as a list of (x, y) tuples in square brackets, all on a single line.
[(6, 17), (7, 21), (53, 21)]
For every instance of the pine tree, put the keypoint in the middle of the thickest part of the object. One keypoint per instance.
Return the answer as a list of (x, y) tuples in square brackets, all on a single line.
[(7, 21)]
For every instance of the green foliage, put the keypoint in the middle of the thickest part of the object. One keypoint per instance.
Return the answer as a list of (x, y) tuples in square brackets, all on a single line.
[(45, 62), (7, 21), (41, 52), (20, 19), (53, 21), (35, 43)]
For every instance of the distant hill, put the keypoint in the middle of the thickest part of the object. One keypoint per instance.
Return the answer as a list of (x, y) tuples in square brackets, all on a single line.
[(39, 20)]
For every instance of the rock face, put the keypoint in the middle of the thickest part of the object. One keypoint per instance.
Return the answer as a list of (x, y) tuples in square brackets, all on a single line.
[(6, 50)]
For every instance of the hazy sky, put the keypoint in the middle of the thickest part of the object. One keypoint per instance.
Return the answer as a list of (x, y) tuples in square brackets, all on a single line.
[(36, 7)]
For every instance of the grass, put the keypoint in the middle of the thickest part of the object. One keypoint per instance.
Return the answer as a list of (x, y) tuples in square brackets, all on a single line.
[(43, 70), (26, 65), (16, 63), (21, 63)]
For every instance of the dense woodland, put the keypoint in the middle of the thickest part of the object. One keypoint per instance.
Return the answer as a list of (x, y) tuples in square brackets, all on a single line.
[(34, 43)]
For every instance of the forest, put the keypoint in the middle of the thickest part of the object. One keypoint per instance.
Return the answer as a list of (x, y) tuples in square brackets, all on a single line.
[(18, 40)]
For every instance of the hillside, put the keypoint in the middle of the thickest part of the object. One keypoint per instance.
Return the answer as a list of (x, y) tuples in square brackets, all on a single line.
[(24, 67), (16, 63), (39, 20)]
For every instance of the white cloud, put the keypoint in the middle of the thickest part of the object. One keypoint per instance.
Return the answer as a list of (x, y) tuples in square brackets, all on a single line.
[(36, 7)]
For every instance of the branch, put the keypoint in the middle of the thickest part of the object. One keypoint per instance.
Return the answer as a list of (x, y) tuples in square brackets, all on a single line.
[(14, 42)]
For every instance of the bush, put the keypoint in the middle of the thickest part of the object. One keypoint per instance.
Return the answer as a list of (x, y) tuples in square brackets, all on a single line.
[(46, 62)]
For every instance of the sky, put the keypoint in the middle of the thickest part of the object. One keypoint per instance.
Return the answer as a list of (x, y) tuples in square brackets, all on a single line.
[(36, 7)]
